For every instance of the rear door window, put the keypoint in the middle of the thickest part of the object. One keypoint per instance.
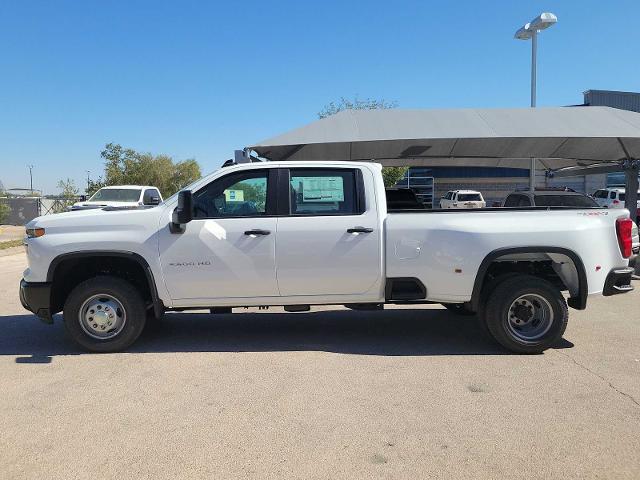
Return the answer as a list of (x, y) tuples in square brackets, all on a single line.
[(315, 191)]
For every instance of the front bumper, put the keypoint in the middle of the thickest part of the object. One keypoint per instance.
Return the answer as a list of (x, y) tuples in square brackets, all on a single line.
[(36, 297), (618, 281)]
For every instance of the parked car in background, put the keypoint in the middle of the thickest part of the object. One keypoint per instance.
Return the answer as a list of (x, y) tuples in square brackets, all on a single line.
[(550, 197), (612, 197), (121, 196), (463, 199)]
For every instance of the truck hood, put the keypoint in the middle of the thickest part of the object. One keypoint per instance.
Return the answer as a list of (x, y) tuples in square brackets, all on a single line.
[(97, 204), (97, 218)]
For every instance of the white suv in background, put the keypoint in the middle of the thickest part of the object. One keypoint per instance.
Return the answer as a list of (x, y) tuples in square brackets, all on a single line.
[(612, 197), (463, 199)]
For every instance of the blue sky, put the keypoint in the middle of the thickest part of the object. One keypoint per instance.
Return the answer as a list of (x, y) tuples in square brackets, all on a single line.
[(200, 79)]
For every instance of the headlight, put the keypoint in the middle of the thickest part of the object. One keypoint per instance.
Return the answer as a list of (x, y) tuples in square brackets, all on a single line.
[(35, 232)]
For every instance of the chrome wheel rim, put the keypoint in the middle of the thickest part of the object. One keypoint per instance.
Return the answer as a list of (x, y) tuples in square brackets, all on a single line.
[(102, 316), (529, 318)]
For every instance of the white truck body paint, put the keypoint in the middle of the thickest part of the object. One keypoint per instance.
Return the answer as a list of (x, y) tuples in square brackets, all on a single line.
[(313, 260)]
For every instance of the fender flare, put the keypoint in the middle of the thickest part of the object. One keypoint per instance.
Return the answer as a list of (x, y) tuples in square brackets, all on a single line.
[(579, 302), (158, 305)]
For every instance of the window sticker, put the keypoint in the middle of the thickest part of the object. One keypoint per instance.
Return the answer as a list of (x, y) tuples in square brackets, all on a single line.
[(234, 195), (322, 189)]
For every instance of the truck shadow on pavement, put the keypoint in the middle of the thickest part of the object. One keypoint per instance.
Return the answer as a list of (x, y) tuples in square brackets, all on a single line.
[(400, 332)]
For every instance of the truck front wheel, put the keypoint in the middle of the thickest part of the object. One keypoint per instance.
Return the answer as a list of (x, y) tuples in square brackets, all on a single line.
[(104, 314), (526, 314)]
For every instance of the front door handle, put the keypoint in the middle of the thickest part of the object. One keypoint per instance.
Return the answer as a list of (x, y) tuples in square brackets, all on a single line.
[(257, 231), (359, 230)]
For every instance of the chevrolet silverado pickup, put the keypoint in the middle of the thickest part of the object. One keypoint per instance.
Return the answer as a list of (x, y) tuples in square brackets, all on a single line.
[(296, 234)]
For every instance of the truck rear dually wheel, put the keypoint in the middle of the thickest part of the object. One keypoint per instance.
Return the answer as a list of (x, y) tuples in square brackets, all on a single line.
[(526, 314), (104, 314)]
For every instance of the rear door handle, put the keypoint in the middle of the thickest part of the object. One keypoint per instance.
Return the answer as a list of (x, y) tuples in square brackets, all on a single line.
[(359, 230), (257, 231)]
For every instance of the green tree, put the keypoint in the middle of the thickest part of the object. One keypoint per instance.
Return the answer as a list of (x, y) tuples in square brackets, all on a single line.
[(68, 193), (5, 210), (94, 185), (390, 175), (126, 166), (356, 104)]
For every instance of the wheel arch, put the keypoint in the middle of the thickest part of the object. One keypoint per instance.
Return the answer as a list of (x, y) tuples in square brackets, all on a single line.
[(579, 301), (75, 258)]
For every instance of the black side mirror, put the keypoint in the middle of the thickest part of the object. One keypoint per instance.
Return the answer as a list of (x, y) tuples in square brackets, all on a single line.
[(153, 201), (183, 213)]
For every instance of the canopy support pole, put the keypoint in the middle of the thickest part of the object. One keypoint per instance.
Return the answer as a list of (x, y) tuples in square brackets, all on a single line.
[(532, 175), (631, 171)]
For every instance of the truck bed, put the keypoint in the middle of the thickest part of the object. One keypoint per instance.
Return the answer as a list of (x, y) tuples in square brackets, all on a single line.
[(444, 249)]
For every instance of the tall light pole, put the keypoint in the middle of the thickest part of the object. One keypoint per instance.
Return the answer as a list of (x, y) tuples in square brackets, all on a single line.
[(30, 178), (88, 181), (530, 32)]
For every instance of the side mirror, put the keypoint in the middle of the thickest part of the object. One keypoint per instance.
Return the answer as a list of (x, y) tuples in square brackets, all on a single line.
[(153, 201), (183, 213)]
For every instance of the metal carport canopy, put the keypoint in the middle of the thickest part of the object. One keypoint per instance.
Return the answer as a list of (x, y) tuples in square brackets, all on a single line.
[(558, 137)]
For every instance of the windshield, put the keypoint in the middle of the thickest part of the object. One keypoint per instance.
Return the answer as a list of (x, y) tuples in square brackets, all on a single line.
[(116, 195), (565, 201), (469, 197)]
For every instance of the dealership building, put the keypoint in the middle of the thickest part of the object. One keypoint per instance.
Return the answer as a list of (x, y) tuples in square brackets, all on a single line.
[(495, 183)]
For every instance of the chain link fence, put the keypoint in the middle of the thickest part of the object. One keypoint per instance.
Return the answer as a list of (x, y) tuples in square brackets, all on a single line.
[(22, 210)]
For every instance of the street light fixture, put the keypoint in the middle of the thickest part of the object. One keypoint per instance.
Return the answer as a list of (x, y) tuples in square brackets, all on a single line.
[(31, 178), (530, 32)]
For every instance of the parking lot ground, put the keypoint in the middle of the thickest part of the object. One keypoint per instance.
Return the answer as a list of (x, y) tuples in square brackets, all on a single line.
[(10, 232), (402, 393)]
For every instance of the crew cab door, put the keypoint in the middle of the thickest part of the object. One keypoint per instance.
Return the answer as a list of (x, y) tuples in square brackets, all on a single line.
[(329, 236), (228, 250)]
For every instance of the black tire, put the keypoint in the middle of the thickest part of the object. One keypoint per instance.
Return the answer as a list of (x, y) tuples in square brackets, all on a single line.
[(102, 288), (459, 309), (531, 325), (484, 296)]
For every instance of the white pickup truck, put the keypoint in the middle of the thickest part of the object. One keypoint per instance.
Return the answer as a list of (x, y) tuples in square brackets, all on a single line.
[(297, 234)]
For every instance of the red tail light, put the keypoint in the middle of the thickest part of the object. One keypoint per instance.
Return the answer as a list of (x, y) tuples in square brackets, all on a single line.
[(616, 202), (623, 230)]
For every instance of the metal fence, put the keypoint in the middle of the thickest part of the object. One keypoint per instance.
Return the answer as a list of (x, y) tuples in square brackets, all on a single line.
[(24, 209)]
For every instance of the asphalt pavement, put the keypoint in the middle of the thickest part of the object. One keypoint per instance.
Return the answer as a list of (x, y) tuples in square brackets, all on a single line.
[(403, 393)]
